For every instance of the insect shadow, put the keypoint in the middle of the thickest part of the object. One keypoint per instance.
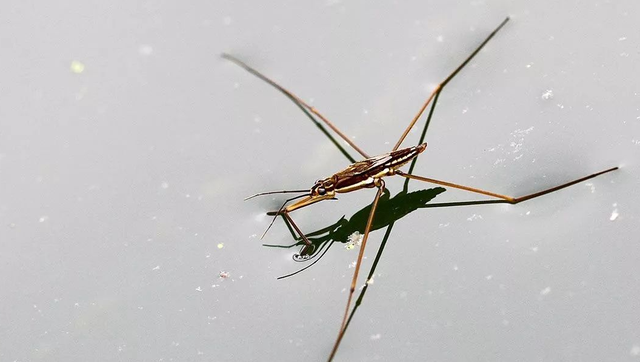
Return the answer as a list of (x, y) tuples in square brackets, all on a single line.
[(390, 210)]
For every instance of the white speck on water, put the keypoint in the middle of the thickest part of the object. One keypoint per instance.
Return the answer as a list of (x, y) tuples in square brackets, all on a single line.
[(444, 225), (534, 249), (353, 264), (145, 49), (43, 218), (489, 277), (354, 240), (519, 134), (455, 267), (365, 111), (370, 281), (635, 142), (561, 106), (529, 65), (548, 94), (528, 213), (440, 38), (157, 267), (220, 245), (545, 291), (77, 67), (474, 217), (164, 185), (635, 350), (591, 186), (375, 337), (224, 274), (622, 38), (624, 54), (198, 289), (614, 213), (465, 110)]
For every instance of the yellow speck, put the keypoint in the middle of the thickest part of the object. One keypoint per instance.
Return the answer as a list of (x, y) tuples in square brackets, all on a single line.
[(220, 245), (77, 67)]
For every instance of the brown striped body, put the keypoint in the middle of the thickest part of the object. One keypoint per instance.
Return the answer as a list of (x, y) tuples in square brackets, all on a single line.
[(359, 175)]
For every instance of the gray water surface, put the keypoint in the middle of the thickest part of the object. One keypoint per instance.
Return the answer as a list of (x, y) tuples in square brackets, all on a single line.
[(127, 145)]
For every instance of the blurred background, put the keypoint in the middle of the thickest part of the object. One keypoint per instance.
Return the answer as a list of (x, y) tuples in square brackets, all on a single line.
[(127, 145)]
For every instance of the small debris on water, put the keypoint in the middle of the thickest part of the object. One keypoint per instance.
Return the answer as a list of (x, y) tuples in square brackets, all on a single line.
[(198, 289), (548, 94), (375, 337), (43, 218), (224, 275), (474, 217), (220, 245), (591, 186), (545, 291), (354, 240), (164, 185)]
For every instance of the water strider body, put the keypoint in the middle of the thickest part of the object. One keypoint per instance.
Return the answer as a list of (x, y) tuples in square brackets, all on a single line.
[(360, 175)]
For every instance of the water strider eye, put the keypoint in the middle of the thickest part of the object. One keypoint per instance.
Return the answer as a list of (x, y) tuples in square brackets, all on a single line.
[(322, 191)]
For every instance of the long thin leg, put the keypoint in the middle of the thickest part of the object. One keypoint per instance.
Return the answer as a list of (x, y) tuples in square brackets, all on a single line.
[(509, 199), (296, 99), (357, 268), (302, 235), (440, 86)]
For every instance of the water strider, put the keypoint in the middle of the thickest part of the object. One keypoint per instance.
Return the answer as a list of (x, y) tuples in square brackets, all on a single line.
[(370, 173)]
